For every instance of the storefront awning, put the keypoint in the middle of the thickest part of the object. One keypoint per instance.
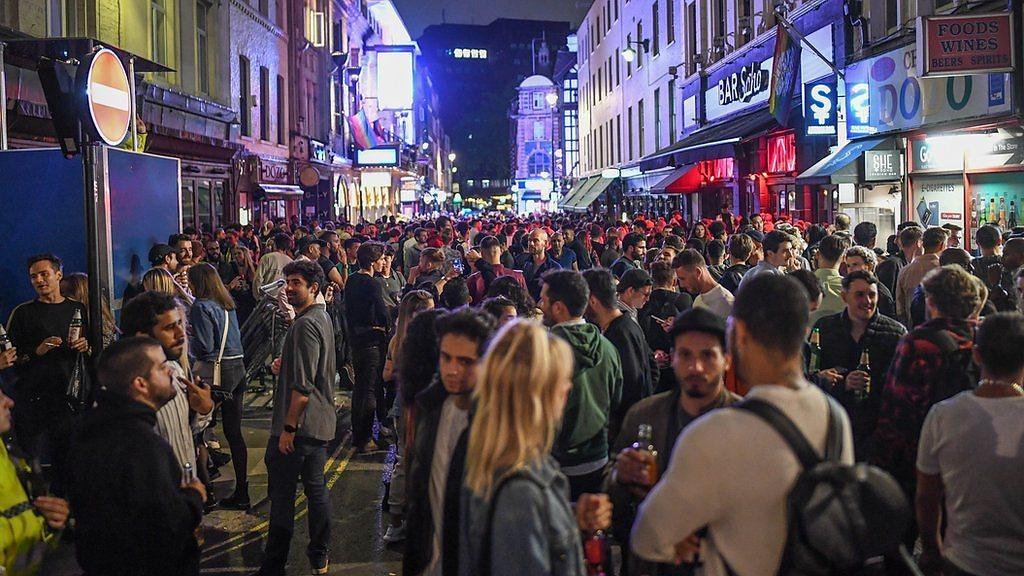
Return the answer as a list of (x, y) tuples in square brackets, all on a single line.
[(668, 184), (840, 167), (587, 196), (574, 192), (713, 142), (280, 191)]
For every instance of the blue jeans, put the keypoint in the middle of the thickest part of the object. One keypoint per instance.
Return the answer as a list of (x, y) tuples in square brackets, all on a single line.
[(283, 472)]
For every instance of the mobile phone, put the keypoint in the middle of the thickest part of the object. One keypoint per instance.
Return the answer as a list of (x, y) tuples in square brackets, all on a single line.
[(661, 320), (457, 265)]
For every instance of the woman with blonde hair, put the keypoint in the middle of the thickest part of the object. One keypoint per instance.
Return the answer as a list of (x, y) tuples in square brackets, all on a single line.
[(76, 287), (516, 515), (160, 280)]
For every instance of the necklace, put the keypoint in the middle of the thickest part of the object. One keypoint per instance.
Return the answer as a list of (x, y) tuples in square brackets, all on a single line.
[(994, 383)]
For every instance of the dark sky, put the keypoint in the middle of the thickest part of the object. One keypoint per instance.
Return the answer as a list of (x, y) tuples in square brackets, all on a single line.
[(419, 14)]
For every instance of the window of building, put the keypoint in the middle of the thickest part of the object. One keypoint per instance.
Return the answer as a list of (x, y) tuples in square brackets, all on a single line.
[(744, 30), (538, 101), (72, 13), (158, 31), (202, 47), (655, 28), (657, 118), (942, 4), (671, 98), (538, 130), (537, 164), (691, 37), (720, 24), (264, 103), (615, 5), (280, 110), (610, 84), (892, 18), (244, 92), (618, 137), (670, 21), (639, 38), (629, 129), (599, 85), (618, 67), (640, 127), (599, 30)]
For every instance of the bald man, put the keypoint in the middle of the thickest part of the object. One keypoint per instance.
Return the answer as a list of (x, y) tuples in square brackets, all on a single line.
[(536, 262)]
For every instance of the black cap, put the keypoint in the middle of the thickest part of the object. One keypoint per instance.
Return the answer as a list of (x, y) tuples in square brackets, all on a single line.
[(699, 320), (635, 278), (755, 235), (160, 251), (305, 242)]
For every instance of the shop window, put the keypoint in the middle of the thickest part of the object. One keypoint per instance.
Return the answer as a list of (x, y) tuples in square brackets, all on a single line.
[(187, 204), (204, 205), (782, 153)]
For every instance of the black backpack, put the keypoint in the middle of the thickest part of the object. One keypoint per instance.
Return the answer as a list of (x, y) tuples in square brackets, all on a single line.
[(963, 373), (838, 516)]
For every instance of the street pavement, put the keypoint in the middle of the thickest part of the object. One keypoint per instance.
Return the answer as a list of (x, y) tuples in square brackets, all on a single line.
[(233, 540)]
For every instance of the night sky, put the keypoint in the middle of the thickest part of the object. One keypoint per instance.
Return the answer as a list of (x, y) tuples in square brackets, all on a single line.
[(419, 14)]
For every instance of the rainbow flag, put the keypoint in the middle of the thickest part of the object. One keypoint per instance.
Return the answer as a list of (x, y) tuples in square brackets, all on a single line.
[(363, 132)]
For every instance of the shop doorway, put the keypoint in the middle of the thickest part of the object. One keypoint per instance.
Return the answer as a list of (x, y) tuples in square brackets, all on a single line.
[(202, 203)]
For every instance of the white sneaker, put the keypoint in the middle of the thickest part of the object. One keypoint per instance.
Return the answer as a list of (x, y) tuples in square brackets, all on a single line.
[(395, 533)]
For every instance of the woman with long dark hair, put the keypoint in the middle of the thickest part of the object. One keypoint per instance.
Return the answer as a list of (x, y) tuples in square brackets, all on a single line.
[(216, 339)]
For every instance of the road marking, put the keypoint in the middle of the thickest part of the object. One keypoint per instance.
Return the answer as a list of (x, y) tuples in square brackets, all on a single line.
[(256, 532)]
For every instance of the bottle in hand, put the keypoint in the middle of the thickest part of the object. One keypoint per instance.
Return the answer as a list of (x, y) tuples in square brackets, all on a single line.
[(5, 340), (865, 367), (645, 443), (75, 331)]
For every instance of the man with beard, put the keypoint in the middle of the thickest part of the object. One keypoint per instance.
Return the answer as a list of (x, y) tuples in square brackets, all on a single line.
[(135, 512), (159, 316), (304, 422), (715, 460), (699, 362), (536, 262)]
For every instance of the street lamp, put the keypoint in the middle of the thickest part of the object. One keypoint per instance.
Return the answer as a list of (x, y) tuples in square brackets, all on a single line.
[(451, 156), (629, 54), (425, 146), (551, 98), (455, 169)]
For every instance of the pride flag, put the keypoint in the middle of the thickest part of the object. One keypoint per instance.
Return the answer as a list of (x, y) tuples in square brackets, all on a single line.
[(362, 131)]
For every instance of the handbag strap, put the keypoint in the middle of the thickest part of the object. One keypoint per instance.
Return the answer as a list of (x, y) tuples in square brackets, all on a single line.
[(224, 336), (791, 434)]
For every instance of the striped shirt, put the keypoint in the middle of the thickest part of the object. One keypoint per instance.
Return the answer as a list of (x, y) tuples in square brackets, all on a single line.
[(172, 422)]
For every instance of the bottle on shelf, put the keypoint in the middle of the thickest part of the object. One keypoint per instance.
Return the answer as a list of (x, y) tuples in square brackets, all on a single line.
[(1012, 223), (974, 213), (75, 330), (864, 366), (645, 443), (1002, 211), (982, 217), (993, 215)]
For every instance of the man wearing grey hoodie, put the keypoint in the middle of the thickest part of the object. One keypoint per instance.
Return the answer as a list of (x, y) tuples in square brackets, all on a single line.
[(581, 447)]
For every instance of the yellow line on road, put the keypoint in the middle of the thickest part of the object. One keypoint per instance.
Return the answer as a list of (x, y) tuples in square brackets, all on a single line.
[(256, 532)]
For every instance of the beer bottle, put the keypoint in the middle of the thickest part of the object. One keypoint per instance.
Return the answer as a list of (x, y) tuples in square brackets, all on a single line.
[(5, 340), (597, 554), (645, 443), (864, 366), (75, 331), (815, 342)]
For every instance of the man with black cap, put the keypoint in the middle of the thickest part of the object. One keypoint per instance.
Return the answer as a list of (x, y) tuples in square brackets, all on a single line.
[(699, 361), (626, 336), (309, 248), (164, 256)]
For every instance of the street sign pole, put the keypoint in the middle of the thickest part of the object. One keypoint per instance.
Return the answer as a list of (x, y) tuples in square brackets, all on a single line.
[(90, 157), (3, 100)]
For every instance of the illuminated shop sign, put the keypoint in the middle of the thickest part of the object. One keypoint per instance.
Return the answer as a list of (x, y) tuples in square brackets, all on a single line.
[(470, 53), (886, 94), (782, 153), (820, 108), (965, 44)]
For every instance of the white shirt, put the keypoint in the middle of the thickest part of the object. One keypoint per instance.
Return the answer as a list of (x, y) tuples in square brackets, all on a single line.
[(172, 421), (730, 471), (975, 445), (453, 421), (718, 300)]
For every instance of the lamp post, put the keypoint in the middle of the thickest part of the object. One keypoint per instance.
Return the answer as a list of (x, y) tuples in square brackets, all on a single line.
[(629, 54), (552, 99)]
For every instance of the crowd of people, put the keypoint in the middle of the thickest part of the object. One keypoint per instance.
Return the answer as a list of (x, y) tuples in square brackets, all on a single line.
[(553, 388)]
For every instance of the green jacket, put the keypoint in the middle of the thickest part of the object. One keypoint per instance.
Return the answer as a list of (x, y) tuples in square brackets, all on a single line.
[(596, 392), (22, 530)]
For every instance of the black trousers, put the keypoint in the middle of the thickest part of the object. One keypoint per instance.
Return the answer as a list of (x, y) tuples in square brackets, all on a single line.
[(368, 391)]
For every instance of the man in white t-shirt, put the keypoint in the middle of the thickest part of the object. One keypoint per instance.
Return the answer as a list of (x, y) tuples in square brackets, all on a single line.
[(730, 472), (694, 277), (437, 459), (970, 457)]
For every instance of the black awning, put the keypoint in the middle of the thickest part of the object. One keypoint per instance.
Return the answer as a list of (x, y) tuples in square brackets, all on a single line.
[(713, 142)]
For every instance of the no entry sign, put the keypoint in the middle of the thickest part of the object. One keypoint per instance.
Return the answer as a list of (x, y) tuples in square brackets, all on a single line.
[(960, 45), (108, 96)]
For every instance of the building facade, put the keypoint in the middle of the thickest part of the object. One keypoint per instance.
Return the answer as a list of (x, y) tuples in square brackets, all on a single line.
[(537, 137), (259, 102)]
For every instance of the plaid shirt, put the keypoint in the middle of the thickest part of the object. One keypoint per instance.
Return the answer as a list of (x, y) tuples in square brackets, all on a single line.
[(907, 397)]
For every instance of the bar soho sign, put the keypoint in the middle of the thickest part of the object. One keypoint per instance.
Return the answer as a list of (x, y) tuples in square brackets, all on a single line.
[(968, 44), (743, 84), (882, 165)]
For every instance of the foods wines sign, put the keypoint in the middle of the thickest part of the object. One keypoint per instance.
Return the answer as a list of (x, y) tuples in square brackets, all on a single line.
[(958, 45)]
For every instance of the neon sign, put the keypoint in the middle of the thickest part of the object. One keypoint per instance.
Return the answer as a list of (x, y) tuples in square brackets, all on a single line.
[(782, 153), (719, 169)]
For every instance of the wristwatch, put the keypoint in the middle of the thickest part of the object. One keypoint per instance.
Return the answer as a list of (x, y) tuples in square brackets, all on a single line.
[(290, 429)]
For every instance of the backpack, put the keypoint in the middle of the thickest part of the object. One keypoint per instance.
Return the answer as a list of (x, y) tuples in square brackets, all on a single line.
[(837, 516), (963, 373)]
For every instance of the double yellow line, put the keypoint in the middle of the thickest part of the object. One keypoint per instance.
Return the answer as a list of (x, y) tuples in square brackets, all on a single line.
[(338, 462)]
